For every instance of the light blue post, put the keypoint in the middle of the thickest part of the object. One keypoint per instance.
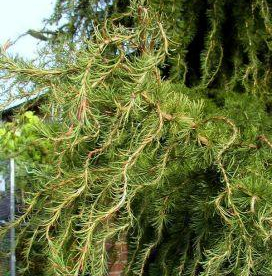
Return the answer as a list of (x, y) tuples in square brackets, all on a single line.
[(12, 218)]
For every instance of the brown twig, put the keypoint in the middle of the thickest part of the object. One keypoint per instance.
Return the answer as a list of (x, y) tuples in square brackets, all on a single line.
[(264, 139)]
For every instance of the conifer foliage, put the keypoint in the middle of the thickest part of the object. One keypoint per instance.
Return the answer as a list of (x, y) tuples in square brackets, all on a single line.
[(220, 43), (185, 178)]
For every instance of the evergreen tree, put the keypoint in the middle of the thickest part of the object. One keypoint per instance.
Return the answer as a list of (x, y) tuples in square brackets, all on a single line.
[(218, 43), (183, 172)]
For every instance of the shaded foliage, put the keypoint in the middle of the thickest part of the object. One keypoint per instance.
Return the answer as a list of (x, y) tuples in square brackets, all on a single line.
[(221, 44)]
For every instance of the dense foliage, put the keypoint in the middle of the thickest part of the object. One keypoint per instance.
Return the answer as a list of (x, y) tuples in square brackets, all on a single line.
[(20, 139), (219, 43), (184, 173)]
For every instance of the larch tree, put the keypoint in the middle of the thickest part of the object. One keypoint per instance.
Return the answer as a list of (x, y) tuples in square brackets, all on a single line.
[(161, 135)]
